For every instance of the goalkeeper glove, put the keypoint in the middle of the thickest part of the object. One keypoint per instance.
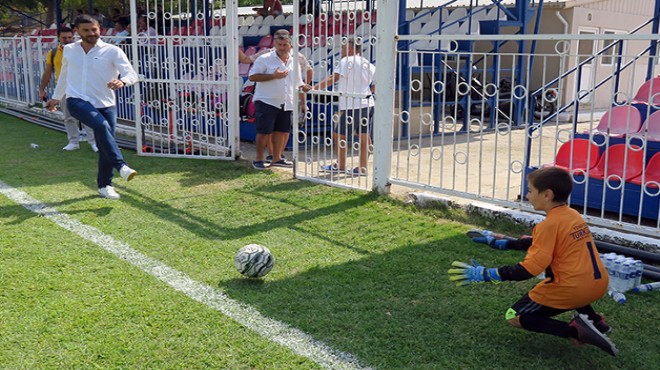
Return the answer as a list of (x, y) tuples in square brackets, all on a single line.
[(475, 273), (492, 241)]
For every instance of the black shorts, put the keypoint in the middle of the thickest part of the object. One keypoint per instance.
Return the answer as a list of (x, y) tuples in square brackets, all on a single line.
[(526, 305), (358, 121), (270, 118)]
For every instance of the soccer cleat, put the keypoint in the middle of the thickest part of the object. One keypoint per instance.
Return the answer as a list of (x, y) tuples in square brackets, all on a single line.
[(71, 146), (127, 173), (95, 148), (587, 333), (282, 163), (108, 192), (259, 165), (602, 326)]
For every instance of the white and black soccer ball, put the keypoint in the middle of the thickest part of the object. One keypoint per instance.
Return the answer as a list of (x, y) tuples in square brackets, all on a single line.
[(254, 260)]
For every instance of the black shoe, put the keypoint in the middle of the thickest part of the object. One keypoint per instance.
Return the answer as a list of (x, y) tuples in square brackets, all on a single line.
[(587, 333), (269, 158), (282, 163), (259, 165)]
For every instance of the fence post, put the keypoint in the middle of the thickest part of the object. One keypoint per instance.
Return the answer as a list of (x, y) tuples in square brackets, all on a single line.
[(385, 85)]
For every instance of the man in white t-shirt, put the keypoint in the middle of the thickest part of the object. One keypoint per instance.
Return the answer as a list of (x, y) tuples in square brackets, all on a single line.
[(276, 86), (355, 79)]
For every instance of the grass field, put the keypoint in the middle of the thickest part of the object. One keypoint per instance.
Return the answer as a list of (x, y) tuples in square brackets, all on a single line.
[(361, 273)]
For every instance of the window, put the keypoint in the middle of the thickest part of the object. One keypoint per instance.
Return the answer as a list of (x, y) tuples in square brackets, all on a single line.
[(609, 56)]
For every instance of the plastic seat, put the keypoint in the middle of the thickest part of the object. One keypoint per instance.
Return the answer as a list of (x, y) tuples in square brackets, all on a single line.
[(619, 121), (265, 42), (279, 20), (649, 92), (579, 155), (251, 50), (650, 129), (619, 160), (651, 173), (268, 20)]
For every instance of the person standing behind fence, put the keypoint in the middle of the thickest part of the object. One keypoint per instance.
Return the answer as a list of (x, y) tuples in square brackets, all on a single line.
[(54, 64), (91, 71), (273, 98), (354, 79)]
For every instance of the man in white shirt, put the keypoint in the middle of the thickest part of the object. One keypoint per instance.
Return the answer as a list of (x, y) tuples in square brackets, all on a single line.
[(275, 90), (355, 80), (90, 73)]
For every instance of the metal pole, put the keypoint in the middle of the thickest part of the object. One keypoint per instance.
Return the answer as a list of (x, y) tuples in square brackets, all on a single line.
[(137, 99), (235, 81), (385, 84)]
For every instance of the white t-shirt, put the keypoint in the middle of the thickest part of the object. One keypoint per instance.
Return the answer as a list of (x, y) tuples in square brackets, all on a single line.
[(280, 91), (356, 77)]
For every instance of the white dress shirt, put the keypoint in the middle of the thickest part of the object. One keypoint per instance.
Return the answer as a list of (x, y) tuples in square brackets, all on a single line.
[(86, 75), (278, 92)]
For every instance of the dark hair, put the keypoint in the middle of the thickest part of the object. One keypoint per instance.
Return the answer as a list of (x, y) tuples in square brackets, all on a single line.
[(63, 30), (85, 18), (554, 178), (124, 21)]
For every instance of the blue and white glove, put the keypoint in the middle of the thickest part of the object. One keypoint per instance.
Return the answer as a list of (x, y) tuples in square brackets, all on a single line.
[(492, 241), (466, 274)]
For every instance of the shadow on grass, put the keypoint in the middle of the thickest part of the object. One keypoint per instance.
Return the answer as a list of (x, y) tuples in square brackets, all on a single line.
[(398, 310), (18, 215), (271, 194)]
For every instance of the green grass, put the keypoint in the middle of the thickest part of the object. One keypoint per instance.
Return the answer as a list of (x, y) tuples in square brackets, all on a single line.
[(363, 273)]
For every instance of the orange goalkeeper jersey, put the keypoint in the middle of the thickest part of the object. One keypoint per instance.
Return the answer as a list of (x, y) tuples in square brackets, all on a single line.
[(563, 242)]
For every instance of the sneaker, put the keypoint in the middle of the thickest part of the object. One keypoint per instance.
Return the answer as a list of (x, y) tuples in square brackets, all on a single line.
[(587, 333), (70, 146), (95, 148), (332, 168), (602, 326), (282, 163), (269, 158), (127, 173), (259, 165), (108, 192), (357, 171)]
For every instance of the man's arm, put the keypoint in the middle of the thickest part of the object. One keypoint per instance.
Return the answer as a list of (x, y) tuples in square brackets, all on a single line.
[(126, 71), (45, 79), (328, 81), (263, 77)]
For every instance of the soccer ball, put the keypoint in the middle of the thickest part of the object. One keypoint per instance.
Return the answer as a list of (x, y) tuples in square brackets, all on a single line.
[(254, 260)]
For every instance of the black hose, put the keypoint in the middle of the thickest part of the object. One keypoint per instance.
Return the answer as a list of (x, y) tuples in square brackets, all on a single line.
[(632, 252), (651, 275)]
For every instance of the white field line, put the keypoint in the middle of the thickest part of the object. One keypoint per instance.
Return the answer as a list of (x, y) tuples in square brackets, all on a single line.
[(276, 331)]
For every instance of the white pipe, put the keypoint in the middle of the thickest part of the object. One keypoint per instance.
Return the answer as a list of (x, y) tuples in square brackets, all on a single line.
[(562, 20)]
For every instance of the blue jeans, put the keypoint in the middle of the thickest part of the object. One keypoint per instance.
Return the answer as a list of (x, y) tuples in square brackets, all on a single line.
[(102, 121)]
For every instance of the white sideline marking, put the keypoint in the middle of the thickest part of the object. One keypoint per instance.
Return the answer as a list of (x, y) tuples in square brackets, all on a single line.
[(276, 331)]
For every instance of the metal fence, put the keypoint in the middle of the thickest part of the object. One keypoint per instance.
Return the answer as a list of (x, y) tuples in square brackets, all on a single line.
[(451, 116)]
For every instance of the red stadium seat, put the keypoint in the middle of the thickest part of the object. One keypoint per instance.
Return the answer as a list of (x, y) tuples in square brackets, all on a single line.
[(265, 42), (649, 92), (619, 121), (650, 129), (619, 160), (651, 174), (580, 155)]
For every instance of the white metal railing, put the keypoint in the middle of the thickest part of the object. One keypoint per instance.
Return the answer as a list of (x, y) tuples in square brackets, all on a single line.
[(453, 121)]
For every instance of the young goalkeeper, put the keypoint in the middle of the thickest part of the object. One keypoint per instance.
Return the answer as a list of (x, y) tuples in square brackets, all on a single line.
[(563, 247)]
